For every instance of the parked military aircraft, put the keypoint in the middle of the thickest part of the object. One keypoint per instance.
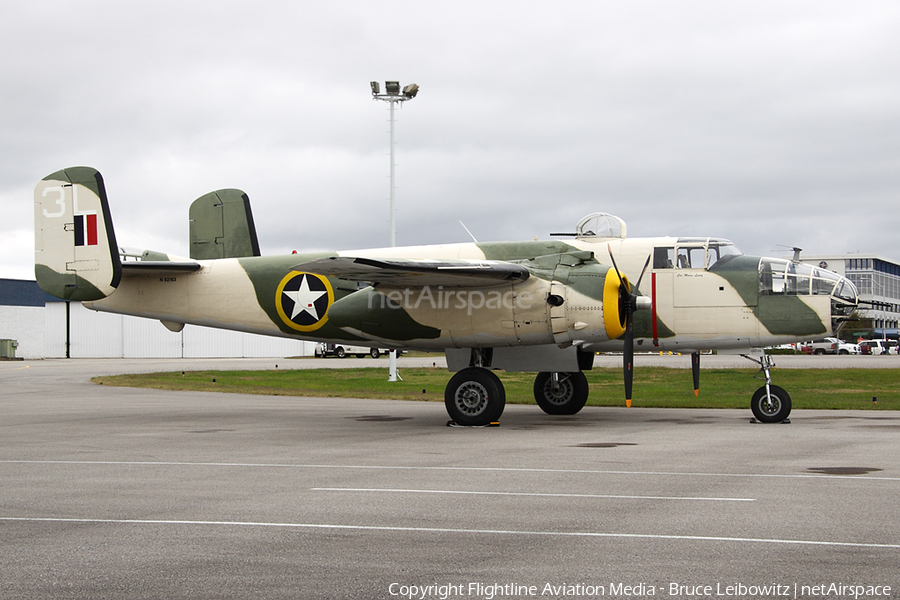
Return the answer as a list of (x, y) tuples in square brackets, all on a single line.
[(544, 306)]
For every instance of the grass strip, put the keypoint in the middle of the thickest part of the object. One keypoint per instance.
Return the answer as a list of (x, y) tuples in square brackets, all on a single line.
[(657, 387)]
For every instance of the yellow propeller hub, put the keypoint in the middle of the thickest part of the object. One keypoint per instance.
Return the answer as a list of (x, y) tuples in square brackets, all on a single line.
[(613, 320)]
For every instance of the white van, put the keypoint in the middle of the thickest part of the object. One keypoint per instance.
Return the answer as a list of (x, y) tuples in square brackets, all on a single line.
[(343, 350)]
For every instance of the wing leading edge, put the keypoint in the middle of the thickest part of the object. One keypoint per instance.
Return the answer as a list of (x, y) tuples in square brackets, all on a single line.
[(418, 273)]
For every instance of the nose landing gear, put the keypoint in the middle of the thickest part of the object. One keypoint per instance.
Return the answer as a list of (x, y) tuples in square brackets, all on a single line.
[(770, 403)]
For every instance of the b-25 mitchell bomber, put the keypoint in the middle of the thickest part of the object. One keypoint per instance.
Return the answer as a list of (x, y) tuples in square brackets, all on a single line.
[(534, 306)]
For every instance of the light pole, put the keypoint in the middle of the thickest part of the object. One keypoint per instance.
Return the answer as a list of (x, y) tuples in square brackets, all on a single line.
[(393, 94)]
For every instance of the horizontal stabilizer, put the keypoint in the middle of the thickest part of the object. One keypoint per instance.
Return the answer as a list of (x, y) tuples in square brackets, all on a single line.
[(418, 273), (157, 267)]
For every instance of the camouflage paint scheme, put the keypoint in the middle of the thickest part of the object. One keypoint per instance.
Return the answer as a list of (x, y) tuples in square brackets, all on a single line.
[(695, 309), (543, 306)]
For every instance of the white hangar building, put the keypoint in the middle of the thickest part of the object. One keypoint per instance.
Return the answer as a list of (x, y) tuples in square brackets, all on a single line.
[(47, 327)]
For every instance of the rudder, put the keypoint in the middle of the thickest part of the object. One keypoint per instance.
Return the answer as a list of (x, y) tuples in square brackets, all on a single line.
[(75, 252)]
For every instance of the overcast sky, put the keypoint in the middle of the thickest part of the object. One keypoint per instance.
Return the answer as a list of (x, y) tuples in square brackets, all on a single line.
[(765, 122)]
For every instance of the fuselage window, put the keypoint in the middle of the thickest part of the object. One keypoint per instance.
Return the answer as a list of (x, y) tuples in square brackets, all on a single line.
[(798, 280), (771, 278)]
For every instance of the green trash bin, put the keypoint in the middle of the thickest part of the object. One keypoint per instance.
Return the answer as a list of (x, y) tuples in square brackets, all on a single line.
[(8, 348)]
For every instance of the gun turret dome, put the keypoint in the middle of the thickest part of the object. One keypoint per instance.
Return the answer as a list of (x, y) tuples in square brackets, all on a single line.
[(600, 226)]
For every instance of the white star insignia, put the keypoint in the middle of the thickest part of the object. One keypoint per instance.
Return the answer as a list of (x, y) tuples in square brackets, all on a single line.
[(305, 299)]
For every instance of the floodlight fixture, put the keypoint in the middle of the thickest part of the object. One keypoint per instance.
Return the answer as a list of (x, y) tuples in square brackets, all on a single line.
[(392, 88), (411, 90), (376, 88)]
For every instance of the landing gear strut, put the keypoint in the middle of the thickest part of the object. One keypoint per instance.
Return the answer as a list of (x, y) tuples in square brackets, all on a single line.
[(770, 403)]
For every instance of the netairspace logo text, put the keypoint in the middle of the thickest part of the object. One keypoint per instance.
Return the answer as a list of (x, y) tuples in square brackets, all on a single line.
[(450, 299)]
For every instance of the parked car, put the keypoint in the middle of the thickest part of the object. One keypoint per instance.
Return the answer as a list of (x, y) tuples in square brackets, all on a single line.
[(827, 345), (878, 346), (342, 350), (848, 348), (830, 345)]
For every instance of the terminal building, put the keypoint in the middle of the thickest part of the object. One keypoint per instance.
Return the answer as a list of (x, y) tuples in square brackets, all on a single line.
[(878, 281)]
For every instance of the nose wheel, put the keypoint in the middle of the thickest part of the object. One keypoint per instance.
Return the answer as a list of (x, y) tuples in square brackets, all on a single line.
[(770, 403)]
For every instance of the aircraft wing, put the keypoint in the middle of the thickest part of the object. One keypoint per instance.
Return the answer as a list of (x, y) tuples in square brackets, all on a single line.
[(418, 273), (157, 267)]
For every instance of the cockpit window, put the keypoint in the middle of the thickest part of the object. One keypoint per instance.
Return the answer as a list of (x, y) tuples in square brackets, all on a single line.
[(847, 292), (720, 252), (799, 279), (694, 253), (824, 282), (664, 258), (779, 277), (691, 258)]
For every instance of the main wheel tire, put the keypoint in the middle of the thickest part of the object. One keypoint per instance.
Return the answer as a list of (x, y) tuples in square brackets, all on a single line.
[(375, 353), (775, 411), (474, 397), (569, 396)]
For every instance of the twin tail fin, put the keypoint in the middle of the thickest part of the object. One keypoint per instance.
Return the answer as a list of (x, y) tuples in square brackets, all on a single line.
[(75, 252)]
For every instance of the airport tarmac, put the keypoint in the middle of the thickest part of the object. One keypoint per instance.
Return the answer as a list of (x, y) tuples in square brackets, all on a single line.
[(129, 493)]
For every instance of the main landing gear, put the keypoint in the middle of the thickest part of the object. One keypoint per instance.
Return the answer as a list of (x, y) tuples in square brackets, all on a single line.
[(475, 396), (561, 393), (770, 403)]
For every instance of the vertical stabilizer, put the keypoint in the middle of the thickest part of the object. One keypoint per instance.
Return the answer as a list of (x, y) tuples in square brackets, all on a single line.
[(75, 252), (222, 226)]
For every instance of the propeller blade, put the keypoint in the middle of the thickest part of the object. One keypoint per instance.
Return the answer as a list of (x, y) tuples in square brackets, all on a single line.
[(625, 307), (695, 371), (628, 360), (637, 286), (613, 258)]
